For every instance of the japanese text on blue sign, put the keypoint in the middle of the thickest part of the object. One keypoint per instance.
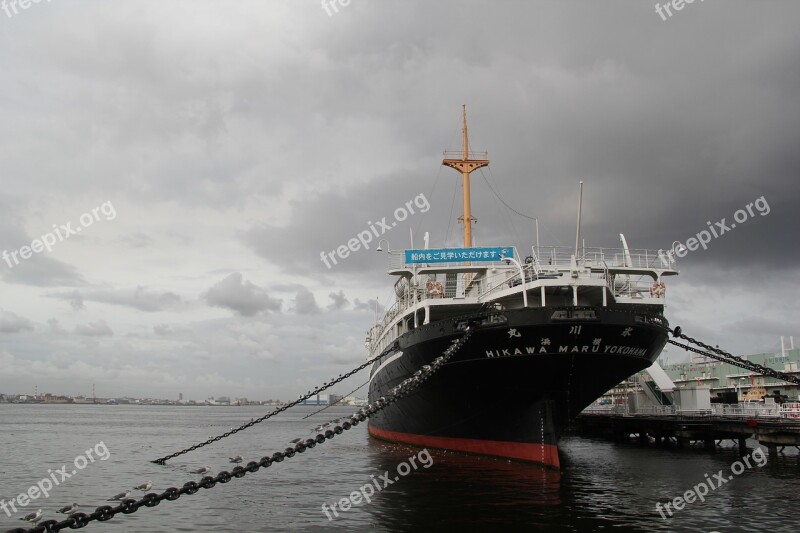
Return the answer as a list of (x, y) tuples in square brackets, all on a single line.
[(457, 255)]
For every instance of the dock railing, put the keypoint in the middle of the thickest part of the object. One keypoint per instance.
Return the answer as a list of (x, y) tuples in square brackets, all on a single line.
[(746, 410)]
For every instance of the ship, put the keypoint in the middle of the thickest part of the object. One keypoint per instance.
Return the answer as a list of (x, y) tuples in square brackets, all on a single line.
[(551, 332)]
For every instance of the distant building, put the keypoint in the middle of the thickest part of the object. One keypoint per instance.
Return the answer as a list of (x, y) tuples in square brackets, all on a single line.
[(323, 399), (725, 380), (725, 377)]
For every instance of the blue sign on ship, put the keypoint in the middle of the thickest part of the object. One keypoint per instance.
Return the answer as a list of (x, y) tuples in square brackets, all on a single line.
[(459, 255)]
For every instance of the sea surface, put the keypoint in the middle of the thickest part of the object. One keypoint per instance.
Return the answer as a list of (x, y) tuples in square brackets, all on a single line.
[(602, 486)]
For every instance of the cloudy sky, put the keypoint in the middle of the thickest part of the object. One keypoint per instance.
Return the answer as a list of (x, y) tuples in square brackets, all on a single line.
[(224, 145)]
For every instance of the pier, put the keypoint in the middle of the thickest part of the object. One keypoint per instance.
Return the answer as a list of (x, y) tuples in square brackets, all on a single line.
[(773, 426)]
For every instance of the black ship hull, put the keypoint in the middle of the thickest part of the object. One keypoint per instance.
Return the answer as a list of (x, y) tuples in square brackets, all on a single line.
[(515, 385)]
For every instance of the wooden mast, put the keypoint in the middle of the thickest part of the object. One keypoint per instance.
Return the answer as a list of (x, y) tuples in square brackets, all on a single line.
[(465, 162)]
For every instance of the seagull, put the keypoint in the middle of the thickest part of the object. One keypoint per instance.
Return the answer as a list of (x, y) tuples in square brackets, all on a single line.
[(204, 470), (69, 509), (236, 459), (121, 496), (295, 441), (144, 487), (33, 517)]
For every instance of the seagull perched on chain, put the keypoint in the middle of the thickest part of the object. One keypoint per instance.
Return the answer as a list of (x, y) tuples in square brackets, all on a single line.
[(236, 459), (33, 517), (69, 509), (121, 496), (144, 487)]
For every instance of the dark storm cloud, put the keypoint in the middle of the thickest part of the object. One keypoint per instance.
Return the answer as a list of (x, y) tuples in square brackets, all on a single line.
[(94, 329), (369, 306), (38, 269), (668, 136), (305, 303), (12, 323), (137, 298), (339, 301), (41, 271), (241, 296), (249, 137), (55, 327)]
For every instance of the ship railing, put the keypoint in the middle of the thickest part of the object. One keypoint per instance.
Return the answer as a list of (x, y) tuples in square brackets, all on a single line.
[(748, 410), (561, 256), (458, 155), (790, 410), (787, 410), (505, 279), (636, 287), (606, 410), (440, 288), (654, 410), (552, 258)]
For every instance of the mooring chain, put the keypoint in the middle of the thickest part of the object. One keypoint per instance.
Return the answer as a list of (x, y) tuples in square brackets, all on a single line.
[(129, 506), (314, 392), (725, 357), (336, 402)]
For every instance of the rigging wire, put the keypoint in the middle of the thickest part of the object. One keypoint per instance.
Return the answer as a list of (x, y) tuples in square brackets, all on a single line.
[(503, 201), (541, 226), (452, 208), (453, 135), (505, 215), (428, 198)]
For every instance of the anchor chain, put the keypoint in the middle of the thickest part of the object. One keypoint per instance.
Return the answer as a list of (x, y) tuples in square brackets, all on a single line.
[(725, 357), (252, 423), (129, 506), (314, 392)]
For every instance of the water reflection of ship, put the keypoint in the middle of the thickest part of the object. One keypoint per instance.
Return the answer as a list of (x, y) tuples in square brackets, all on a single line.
[(445, 493)]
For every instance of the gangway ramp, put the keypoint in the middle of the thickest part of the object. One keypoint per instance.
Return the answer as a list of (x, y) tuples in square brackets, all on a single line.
[(662, 381)]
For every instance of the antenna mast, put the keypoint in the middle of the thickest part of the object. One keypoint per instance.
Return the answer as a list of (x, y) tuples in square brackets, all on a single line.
[(465, 162)]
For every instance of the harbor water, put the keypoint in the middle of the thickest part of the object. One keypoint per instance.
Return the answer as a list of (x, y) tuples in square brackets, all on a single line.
[(602, 486)]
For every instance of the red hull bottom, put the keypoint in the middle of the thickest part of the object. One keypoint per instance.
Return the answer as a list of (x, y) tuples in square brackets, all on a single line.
[(546, 454)]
